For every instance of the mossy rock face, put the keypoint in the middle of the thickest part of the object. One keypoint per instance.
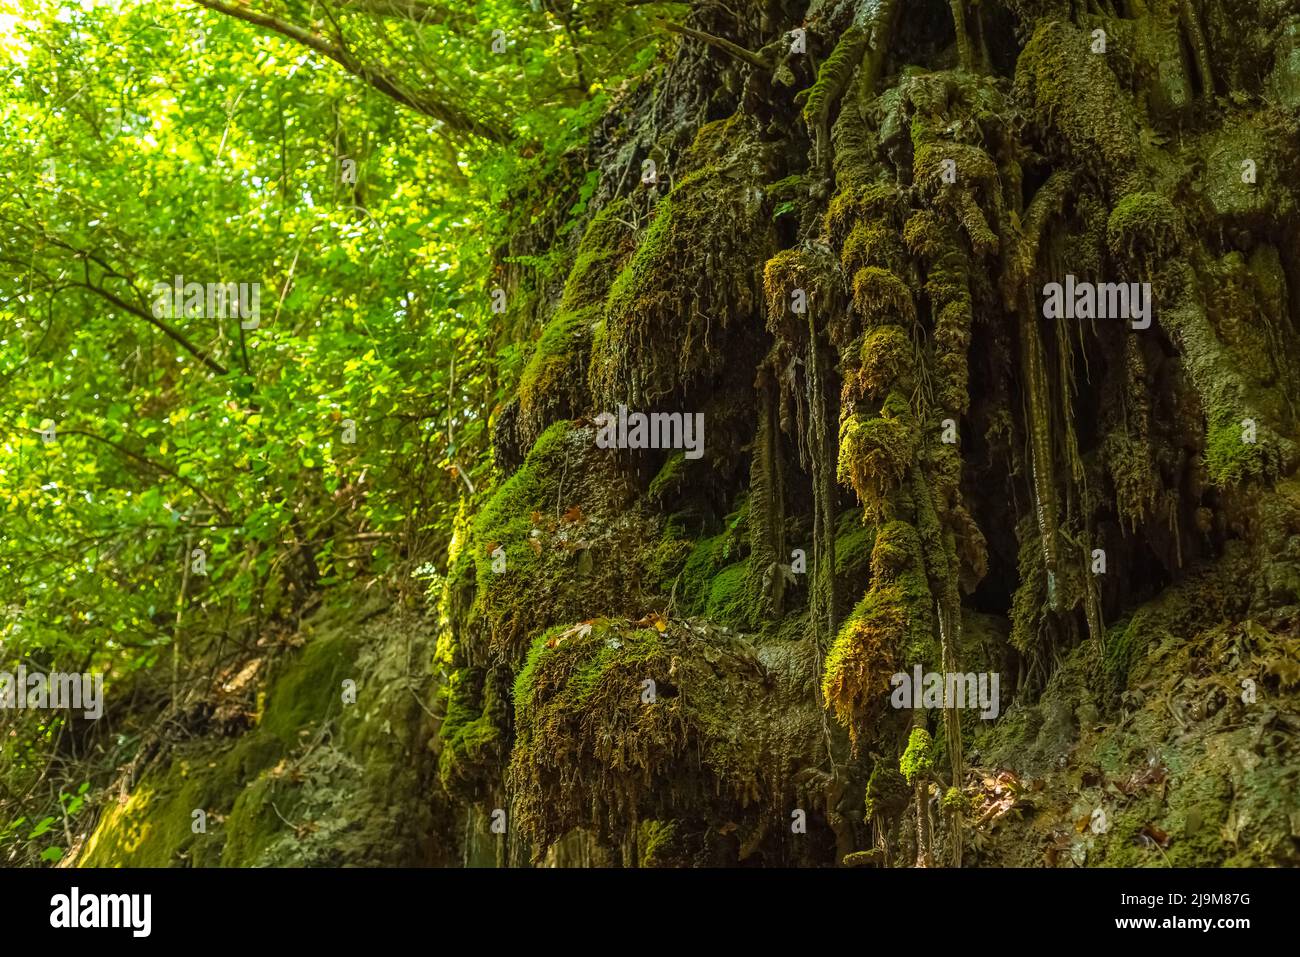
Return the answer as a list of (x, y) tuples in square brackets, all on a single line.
[(156, 825), (1190, 772), (1284, 80), (562, 527), (1142, 225), (473, 731), (694, 260), (854, 542), (732, 601), (876, 452), (317, 781), (556, 540), (887, 358), (553, 383), (607, 710), (1238, 164), (708, 557), (833, 76), (1073, 94), (307, 688)]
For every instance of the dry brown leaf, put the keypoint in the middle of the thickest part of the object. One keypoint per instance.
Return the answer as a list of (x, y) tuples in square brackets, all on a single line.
[(582, 629), (1154, 833)]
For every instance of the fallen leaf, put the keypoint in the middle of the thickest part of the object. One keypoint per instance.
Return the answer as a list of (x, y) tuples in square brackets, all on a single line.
[(537, 517), (491, 547), (654, 620), (573, 514), (1151, 832), (535, 545), (581, 630)]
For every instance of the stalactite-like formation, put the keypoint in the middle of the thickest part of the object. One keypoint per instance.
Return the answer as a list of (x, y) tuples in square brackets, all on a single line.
[(978, 484)]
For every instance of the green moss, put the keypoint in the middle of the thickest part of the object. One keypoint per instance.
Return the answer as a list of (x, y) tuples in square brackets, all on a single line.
[(668, 482), (882, 298), (886, 359), (896, 548), (1132, 472), (871, 244), (552, 383), (848, 208), (789, 195), (506, 523), (689, 277), (154, 828), (295, 765), (309, 689), (667, 560), (1142, 224), (834, 76), (974, 178), (886, 793), (1230, 459), (592, 736), (729, 599), (253, 823), (854, 541), (472, 732), (793, 269), (919, 757), (1226, 398), (707, 559), (855, 681), (1073, 93), (876, 453), (952, 342), (972, 165), (656, 843), (1030, 596), (554, 376), (604, 246), (924, 234)]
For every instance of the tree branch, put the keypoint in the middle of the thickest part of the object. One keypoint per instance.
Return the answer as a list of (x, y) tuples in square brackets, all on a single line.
[(157, 466), (174, 334), (739, 52), (419, 11), (377, 78)]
